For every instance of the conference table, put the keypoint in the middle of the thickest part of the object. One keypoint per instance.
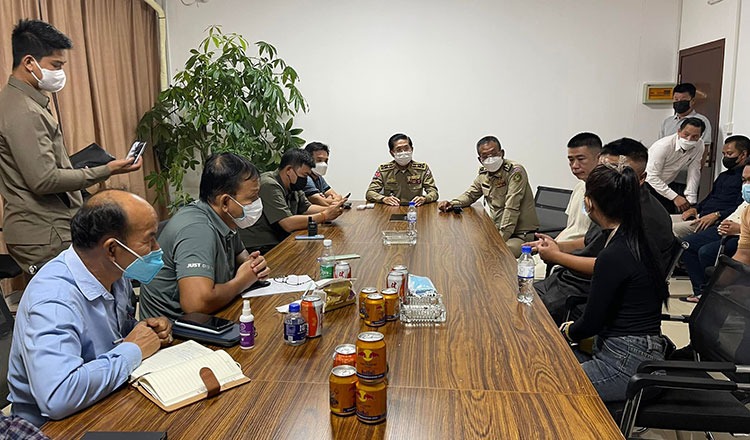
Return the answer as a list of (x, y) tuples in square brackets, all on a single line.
[(496, 369)]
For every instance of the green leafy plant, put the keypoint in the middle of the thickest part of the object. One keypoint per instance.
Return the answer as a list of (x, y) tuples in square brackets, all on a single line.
[(224, 100)]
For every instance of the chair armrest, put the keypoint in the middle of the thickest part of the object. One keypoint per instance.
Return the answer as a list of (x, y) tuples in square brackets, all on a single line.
[(721, 367), (640, 381), (675, 318)]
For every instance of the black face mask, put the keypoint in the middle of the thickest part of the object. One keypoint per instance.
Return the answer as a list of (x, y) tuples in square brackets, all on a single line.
[(299, 184), (729, 162), (681, 106)]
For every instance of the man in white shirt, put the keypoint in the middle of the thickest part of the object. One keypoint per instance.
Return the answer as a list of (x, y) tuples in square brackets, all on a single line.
[(583, 156), (668, 156)]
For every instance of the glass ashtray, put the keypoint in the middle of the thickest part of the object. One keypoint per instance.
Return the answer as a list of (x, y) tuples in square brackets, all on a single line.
[(399, 237), (423, 310)]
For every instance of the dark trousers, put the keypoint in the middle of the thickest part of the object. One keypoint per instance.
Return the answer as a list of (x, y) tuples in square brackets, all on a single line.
[(704, 246)]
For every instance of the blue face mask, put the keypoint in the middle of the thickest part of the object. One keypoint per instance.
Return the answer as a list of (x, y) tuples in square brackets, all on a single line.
[(746, 192), (144, 268)]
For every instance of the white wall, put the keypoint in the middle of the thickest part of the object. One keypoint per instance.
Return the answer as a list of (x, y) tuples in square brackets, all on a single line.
[(741, 114), (703, 23), (447, 72)]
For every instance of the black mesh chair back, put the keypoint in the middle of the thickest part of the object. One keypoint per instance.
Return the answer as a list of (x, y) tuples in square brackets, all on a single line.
[(720, 323), (550, 206)]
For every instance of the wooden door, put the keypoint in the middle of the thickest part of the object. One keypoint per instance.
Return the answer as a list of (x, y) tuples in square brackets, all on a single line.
[(703, 66)]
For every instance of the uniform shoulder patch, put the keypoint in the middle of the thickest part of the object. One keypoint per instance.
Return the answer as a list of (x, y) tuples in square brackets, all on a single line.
[(386, 166), (507, 166)]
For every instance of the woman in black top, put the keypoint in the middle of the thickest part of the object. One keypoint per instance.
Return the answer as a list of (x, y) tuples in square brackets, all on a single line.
[(627, 288)]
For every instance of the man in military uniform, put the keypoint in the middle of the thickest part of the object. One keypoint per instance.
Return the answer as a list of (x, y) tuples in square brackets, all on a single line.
[(402, 180), (506, 189)]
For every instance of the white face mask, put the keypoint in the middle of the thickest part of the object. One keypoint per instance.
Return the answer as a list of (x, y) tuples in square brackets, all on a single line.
[(320, 168), (51, 80), (250, 213), (686, 144), (403, 157), (492, 163)]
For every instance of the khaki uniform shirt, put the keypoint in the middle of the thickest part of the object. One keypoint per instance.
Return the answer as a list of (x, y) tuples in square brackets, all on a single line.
[(40, 188), (402, 183), (509, 196), (278, 204)]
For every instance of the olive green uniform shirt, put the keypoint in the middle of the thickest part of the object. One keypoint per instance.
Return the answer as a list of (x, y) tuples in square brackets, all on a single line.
[(196, 242), (278, 204), (509, 196), (40, 188), (403, 183)]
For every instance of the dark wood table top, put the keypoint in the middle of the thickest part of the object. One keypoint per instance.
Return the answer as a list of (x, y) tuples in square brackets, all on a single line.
[(495, 369)]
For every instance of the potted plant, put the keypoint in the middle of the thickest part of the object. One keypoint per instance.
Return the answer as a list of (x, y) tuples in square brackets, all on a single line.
[(224, 100)]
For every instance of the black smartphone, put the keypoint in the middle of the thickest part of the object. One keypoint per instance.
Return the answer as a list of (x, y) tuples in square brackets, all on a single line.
[(347, 196), (398, 217), (204, 323), (258, 284)]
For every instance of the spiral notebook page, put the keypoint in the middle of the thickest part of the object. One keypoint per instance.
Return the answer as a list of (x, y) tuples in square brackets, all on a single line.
[(169, 357)]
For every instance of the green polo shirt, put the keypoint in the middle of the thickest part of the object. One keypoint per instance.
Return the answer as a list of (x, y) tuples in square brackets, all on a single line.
[(196, 242), (278, 204)]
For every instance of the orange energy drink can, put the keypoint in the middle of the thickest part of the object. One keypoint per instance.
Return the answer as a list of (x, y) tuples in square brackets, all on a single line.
[(362, 297), (345, 354), (392, 305), (312, 310), (375, 310), (372, 400), (343, 390), (371, 360)]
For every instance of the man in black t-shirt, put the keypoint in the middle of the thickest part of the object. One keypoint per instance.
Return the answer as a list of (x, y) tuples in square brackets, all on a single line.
[(576, 258)]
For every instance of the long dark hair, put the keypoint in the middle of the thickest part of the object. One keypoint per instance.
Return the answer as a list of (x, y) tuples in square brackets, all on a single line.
[(616, 191)]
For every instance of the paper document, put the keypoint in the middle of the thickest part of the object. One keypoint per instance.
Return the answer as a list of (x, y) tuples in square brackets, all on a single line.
[(287, 284)]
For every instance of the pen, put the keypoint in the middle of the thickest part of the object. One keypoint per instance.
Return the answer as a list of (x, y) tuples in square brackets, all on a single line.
[(117, 341)]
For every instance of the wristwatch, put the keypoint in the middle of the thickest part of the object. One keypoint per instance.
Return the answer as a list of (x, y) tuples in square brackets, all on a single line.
[(718, 215)]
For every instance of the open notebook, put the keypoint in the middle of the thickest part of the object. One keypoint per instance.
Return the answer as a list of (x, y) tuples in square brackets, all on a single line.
[(171, 378)]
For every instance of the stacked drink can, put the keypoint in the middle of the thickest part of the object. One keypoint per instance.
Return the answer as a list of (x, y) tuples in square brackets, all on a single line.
[(357, 384)]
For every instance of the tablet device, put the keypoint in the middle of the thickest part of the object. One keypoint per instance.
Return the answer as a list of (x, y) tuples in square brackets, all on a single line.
[(204, 323), (136, 150), (229, 338)]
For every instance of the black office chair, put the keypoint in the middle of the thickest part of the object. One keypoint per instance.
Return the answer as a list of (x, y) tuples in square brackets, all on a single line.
[(689, 399), (551, 204), (6, 336)]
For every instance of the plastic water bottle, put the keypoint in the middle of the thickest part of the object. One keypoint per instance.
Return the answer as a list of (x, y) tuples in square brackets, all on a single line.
[(411, 218), (526, 276), (247, 326), (295, 326), (326, 260)]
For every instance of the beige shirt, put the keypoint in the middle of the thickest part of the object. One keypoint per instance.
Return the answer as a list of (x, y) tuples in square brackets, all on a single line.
[(578, 220), (509, 196), (40, 188), (403, 183)]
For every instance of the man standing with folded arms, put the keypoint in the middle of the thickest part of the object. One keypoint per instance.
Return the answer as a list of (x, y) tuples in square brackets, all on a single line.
[(40, 189), (75, 339)]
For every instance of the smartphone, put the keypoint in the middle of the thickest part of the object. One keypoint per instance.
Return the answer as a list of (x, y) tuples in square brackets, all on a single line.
[(136, 150), (398, 218), (204, 323), (347, 196)]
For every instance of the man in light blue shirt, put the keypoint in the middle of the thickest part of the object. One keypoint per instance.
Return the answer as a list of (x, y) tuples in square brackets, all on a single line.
[(75, 339), (317, 190)]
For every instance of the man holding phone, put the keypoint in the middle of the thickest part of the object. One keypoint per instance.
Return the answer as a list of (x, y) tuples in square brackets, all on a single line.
[(40, 188), (206, 265)]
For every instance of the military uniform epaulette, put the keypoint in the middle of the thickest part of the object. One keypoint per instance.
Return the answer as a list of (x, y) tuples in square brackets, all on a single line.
[(387, 166), (507, 166), (419, 165)]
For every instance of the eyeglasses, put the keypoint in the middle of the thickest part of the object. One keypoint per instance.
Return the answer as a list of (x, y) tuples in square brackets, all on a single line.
[(292, 280)]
